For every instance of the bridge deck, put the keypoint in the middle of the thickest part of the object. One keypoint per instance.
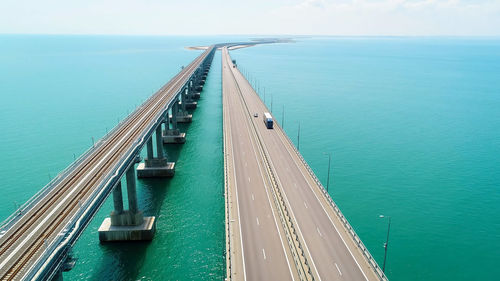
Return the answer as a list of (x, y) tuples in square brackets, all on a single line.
[(28, 236), (268, 180)]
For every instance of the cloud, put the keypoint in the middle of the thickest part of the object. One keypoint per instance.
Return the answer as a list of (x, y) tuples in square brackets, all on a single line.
[(322, 17), (393, 17)]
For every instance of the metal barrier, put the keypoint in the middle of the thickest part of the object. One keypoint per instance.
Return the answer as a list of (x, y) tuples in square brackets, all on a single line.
[(300, 260), (55, 253), (380, 274)]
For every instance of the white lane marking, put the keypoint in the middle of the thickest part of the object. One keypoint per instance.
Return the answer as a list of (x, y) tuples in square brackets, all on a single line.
[(295, 184), (338, 269), (319, 201), (317, 228), (248, 179), (76, 187), (245, 164), (258, 223), (238, 203), (264, 253), (253, 198), (274, 216), (293, 215), (305, 205)]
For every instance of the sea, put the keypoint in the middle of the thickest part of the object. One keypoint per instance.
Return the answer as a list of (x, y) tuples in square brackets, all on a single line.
[(412, 125)]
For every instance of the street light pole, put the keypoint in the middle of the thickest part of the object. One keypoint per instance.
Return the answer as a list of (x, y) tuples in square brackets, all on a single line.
[(328, 178), (386, 244), (298, 138), (271, 102)]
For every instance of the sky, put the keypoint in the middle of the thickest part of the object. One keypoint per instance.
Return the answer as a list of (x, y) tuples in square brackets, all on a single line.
[(253, 17)]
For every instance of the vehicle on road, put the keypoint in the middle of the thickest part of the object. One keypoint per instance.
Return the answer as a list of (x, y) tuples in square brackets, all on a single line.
[(256, 114), (268, 120)]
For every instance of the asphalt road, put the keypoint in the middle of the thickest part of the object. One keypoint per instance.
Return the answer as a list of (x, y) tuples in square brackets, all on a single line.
[(330, 251), (264, 252)]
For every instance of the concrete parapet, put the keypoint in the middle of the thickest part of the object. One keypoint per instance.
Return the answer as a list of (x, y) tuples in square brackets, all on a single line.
[(142, 232), (150, 170), (173, 136)]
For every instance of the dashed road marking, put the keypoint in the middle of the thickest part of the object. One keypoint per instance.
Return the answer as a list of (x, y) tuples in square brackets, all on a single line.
[(317, 228), (264, 253), (338, 269), (258, 223)]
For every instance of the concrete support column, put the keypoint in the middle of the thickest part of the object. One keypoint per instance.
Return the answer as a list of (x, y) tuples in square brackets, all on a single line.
[(131, 191), (118, 198), (159, 142), (167, 121), (175, 111), (183, 100), (150, 148), (130, 224)]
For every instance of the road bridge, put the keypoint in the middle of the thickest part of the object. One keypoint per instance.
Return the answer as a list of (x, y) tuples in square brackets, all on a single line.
[(281, 224)]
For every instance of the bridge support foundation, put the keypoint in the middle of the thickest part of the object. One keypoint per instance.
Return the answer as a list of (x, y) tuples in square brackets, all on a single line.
[(127, 225), (159, 166), (173, 135), (181, 116)]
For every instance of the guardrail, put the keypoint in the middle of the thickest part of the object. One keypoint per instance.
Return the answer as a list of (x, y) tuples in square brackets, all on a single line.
[(380, 274), (55, 253), (376, 268), (229, 273), (299, 258)]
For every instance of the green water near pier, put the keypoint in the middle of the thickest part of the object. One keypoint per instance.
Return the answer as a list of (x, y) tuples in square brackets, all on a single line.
[(413, 125)]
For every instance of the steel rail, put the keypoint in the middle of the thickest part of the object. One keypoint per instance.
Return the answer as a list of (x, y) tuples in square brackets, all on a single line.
[(161, 95)]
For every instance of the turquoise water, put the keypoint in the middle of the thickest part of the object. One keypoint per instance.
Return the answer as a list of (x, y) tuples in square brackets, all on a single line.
[(413, 125)]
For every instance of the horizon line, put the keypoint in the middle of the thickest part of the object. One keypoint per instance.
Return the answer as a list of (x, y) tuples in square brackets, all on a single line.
[(249, 35)]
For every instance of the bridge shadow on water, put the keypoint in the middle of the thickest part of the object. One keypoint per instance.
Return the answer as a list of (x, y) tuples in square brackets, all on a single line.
[(125, 259)]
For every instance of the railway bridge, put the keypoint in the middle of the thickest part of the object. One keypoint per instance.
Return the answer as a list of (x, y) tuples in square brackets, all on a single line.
[(36, 239)]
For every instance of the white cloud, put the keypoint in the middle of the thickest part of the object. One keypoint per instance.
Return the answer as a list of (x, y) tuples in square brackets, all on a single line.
[(393, 17), (328, 17)]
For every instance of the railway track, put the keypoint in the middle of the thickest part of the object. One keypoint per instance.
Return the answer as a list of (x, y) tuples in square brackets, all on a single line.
[(102, 158)]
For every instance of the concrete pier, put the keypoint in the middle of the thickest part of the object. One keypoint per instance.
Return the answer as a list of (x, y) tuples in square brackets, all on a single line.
[(184, 117), (127, 225), (172, 135), (159, 166), (189, 99), (180, 116), (196, 95)]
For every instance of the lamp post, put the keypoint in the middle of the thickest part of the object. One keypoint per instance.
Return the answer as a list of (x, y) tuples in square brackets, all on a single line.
[(386, 244), (298, 138), (328, 178)]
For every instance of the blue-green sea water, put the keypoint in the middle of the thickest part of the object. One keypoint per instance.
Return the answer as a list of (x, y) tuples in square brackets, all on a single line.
[(413, 125)]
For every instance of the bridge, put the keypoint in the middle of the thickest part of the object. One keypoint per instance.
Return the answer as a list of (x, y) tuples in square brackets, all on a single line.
[(36, 239), (280, 222)]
